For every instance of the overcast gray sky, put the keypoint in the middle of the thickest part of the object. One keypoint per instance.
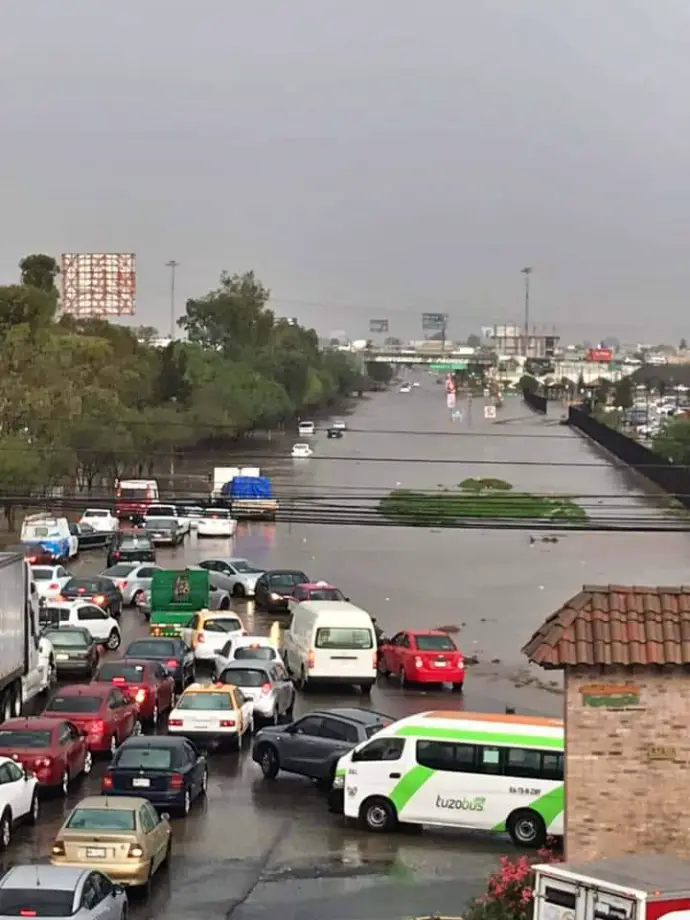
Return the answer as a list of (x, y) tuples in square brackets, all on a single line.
[(370, 158)]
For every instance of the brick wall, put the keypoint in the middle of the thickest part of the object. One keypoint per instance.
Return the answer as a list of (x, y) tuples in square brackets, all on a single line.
[(628, 772)]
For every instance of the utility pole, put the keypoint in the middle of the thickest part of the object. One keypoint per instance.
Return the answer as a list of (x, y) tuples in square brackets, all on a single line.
[(526, 272), (172, 265)]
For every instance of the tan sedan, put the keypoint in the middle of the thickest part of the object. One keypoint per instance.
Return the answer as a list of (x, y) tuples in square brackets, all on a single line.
[(122, 836)]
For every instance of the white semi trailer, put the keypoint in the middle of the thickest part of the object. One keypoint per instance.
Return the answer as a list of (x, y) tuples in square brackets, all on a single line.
[(27, 661)]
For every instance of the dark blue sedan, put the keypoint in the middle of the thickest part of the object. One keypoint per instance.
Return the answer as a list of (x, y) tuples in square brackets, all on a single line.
[(169, 772)]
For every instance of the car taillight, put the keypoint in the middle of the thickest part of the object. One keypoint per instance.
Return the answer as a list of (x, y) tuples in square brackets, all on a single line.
[(418, 662), (171, 663), (119, 680), (176, 781), (32, 560), (177, 722), (135, 851), (200, 637), (123, 585), (227, 723), (116, 556), (375, 659), (97, 727), (41, 762), (54, 587), (265, 689), (140, 695), (310, 659), (107, 782), (58, 848), (98, 600), (27, 913)]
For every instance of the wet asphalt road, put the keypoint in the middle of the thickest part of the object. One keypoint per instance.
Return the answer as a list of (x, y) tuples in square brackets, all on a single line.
[(263, 850)]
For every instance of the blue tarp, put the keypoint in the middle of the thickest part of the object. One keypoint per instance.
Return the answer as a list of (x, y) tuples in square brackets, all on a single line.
[(248, 487)]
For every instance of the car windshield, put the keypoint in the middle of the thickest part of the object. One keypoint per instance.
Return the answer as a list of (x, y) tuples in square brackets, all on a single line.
[(76, 703), (244, 677), (165, 511), (161, 523), (326, 594), (257, 653), (35, 902), (151, 648), (226, 624), (68, 638), (205, 701), (101, 819), (342, 637), (142, 542), (94, 512), (24, 738), (217, 513), (144, 758), (290, 579), (244, 568), (54, 615), (134, 494), (42, 574), (118, 571), (83, 586), (435, 643), (117, 672)]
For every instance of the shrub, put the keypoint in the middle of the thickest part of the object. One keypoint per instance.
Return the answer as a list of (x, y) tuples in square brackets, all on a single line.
[(510, 890)]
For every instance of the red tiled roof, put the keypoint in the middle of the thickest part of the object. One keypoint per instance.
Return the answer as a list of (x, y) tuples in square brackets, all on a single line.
[(616, 625)]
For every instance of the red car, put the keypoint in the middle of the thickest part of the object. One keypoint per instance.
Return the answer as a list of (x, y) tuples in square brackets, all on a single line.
[(55, 750), (318, 591), (422, 657), (147, 682), (103, 711)]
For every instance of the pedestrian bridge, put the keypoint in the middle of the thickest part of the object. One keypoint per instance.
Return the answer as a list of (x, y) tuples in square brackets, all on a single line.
[(444, 359)]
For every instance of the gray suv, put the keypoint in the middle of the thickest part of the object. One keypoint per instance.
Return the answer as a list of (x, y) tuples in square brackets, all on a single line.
[(312, 745)]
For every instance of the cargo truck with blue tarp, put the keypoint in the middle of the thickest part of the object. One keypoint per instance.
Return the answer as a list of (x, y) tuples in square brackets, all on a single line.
[(250, 497)]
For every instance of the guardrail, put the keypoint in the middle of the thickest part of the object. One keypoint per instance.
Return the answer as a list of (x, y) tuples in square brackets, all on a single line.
[(534, 401)]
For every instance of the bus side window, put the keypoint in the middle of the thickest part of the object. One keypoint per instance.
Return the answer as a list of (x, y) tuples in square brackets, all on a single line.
[(490, 761), (552, 766), (524, 763), (447, 755)]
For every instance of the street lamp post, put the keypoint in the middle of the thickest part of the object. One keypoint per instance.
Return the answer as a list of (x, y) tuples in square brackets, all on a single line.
[(526, 272), (172, 265)]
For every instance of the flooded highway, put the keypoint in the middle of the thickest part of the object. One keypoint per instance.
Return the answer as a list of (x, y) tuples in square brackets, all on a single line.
[(256, 849)]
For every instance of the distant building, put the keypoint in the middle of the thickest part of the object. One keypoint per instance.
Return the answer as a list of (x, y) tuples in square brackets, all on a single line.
[(509, 339)]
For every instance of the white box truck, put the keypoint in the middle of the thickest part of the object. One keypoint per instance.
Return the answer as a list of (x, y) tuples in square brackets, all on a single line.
[(27, 663)]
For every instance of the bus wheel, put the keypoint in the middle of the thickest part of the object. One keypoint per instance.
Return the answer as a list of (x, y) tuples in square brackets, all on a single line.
[(527, 829), (378, 814)]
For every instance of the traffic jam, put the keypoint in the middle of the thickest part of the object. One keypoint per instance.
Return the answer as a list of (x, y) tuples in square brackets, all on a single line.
[(199, 683)]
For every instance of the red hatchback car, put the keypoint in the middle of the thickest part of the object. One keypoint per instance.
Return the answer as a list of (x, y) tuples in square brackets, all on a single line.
[(147, 682), (54, 749), (422, 657), (103, 711)]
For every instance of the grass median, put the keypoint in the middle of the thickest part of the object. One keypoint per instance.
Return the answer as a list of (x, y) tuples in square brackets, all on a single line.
[(479, 500)]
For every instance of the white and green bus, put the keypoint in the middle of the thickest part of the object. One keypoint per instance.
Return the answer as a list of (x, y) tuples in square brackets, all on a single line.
[(457, 769)]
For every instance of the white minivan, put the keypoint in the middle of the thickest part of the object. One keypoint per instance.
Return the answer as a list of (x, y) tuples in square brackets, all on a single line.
[(306, 429), (331, 642)]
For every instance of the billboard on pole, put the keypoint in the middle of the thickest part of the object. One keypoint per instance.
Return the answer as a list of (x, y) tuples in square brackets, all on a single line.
[(378, 325), (434, 322), (98, 284)]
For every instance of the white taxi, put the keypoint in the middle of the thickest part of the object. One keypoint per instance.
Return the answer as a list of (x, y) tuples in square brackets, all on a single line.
[(216, 522), (212, 713)]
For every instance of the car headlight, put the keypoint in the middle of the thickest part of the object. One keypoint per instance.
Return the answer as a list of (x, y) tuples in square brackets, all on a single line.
[(339, 782), (275, 597)]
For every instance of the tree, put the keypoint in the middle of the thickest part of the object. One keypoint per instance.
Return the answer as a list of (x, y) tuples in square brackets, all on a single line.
[(379, 373), (21, 472), (623, 394), (581, 383), (473, 341), (528, 384), (40, 271), (27, 306), (673, 441)]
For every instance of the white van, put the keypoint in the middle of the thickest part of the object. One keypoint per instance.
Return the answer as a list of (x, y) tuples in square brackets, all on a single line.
[(458, 769), (332, 642), (53, 533), (306, 429)]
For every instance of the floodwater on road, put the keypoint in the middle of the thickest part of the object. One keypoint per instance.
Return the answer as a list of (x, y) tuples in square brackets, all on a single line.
[(257, 849)]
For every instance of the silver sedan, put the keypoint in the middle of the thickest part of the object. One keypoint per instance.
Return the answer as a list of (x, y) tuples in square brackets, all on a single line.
[(132, 578), (235, 575), (61, 891)]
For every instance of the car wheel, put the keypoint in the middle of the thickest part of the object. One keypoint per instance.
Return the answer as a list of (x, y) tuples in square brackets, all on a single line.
[(137, 729), (88, 763), (168, 853), (187, 803), (204, 783), (527, 829), (275, 718), (238, 590), (6, 829), (64, 783), (302, 682), (155, 715), (113, 744), (365, 689), (268, 761), (378, 815), (457, 688), (52, 673), (113, 640), (34, 810), (403, 679), (290, 711)]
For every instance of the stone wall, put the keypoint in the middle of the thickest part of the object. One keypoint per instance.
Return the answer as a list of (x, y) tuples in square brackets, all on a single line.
[(628, 770)]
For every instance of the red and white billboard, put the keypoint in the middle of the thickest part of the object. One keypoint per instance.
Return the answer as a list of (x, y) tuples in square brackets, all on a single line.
[(98, 284), (604, 355)]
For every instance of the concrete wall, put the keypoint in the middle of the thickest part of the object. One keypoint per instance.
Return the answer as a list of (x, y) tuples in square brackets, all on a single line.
[(628, 771)]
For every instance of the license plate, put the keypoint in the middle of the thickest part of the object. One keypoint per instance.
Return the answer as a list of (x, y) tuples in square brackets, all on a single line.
[(62, 656), (440, 664), (202, 726), (95, 852), (140, 783)]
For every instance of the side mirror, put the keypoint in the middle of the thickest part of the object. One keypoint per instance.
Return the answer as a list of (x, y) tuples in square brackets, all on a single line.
[(165, 816), (27, 775), (118, 889), (347, 599)]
